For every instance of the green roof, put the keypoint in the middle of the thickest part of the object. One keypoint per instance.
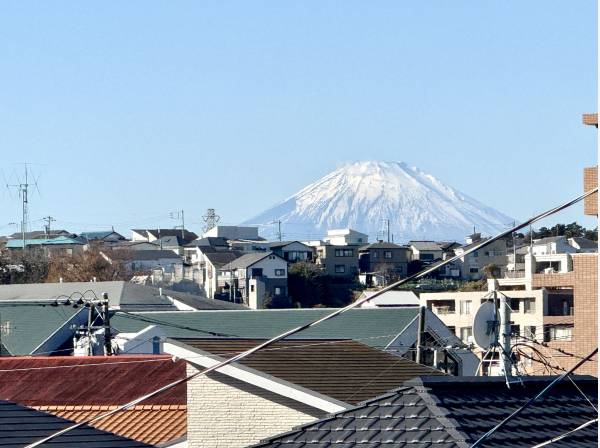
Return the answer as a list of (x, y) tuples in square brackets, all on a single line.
[(373, 326), (25, 326), (18, 243)]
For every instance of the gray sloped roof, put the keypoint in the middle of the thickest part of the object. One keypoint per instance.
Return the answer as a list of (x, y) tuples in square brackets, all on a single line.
[(27, 324), (141, 255), (381, 245), (453, 412), (584, 243), (376, 327), (549, 239), (202, 302), (219, 259), (425, 245), (120, 293), (20, 426), (248, 260)]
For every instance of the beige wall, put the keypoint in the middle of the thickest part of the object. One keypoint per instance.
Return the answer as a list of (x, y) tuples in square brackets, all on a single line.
[(226, 413)]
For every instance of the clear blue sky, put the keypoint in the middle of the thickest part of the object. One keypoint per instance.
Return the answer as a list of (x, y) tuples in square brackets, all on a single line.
[(132, 109)]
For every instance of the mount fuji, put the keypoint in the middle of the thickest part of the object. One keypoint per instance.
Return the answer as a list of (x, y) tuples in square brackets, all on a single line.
[(362, 195)]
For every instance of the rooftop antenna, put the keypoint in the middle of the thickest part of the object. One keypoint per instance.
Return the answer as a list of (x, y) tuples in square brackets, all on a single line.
[(179, 215), (23, 188), (278, 222), (49, 220), (210, 219)]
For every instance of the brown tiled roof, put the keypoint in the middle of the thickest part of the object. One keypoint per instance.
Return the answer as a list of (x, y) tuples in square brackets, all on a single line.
[(152, 424), (89, 380), (344, 369)]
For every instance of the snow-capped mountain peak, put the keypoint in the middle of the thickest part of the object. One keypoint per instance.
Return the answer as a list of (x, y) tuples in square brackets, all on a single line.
[(361, 195)]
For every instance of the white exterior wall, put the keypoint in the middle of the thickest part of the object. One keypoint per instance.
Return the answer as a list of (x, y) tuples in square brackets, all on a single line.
[(233, 232), (268, 265), (345, 237), (459, 320), (227, 413)]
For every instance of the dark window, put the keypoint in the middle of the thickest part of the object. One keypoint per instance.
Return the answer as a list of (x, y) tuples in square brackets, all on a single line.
[(340, 269), (473, 270), (426, 257), (257, 272), (515, 330), (344, 252), (279, 272)]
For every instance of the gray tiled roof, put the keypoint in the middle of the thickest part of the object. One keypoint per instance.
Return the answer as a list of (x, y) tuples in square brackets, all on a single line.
[(248, 260), (382, 245), (444, 412), (219, 259), (425, 245), (584, 243), (20, 426)]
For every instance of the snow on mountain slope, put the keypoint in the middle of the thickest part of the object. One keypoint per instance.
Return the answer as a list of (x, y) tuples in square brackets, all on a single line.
[(362, 194)]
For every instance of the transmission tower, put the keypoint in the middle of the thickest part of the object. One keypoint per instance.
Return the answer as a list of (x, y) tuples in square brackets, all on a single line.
[(210, 219)]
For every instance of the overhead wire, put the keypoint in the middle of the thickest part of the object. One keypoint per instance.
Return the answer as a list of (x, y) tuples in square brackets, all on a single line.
[(331, 315), (566, 434)]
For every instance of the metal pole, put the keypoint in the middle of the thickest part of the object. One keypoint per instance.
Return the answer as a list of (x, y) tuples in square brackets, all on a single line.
[(505, 334), (182, 227), (107, 336), (420, 335)]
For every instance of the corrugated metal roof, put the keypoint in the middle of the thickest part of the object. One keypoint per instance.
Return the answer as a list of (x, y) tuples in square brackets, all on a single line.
[(374, 326), (98, 380)]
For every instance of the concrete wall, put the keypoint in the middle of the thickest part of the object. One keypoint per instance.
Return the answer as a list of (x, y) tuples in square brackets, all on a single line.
[(226, 413)]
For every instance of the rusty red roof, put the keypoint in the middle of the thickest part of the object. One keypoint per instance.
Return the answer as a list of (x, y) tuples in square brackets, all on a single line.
[(90, 380)]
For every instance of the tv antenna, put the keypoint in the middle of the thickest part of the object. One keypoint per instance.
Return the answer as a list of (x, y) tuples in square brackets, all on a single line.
[(210, 219), (22, 186), (491, 328)]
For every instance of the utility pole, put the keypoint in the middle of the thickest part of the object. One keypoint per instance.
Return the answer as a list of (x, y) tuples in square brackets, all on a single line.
[(107, 335), (505, 333), (49, 220), (179, 215), (278, 222), (388, 229), (420, 335)]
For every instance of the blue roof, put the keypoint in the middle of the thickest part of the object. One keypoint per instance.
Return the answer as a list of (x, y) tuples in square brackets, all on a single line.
[(18, 243), (96, 235)]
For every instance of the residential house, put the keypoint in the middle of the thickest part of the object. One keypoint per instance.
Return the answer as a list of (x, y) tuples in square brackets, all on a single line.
[(388, 328), (43, 234), (23, 426), (493, 256), (426, 251), (212, 280), (339, 261), (346, 237), (151, 235), (277, 389), (105, 236), (391, 298), (445, 411), (57, 246), (77, 388), (146, 261), (562, 245), (258, 277), (233, 233), (291, 251), (381, 262)]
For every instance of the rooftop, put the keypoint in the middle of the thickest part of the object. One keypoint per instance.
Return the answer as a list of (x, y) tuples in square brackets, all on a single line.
[(444, 412), (20, 426), (376, 327), (345, 370)]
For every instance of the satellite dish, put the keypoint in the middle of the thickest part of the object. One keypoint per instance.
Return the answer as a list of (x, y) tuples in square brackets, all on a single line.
[(486, 325)]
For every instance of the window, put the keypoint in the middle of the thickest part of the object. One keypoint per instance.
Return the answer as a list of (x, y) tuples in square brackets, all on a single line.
[(387, 254), (465, 307), (340, 269), (529, 306), (473, 270), (279, 272), (452, 329), (374, 254), (514, 304), (558, 333), (344, 252), (426, 257), (465, 333), (257, 272), (251, 288), (277, 291), (515, 330), (475, 254)]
